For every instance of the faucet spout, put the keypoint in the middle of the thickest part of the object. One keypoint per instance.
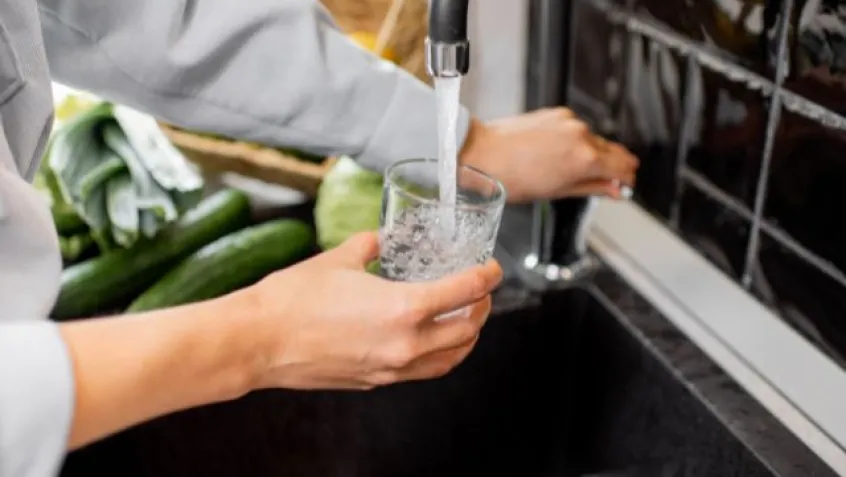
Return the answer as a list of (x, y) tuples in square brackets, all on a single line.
[(448, 20), (447, 45)]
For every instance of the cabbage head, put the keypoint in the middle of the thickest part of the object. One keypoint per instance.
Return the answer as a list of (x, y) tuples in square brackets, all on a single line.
[(348, 202)]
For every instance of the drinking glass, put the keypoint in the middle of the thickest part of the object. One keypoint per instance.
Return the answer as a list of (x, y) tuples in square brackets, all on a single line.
[(422, 238)]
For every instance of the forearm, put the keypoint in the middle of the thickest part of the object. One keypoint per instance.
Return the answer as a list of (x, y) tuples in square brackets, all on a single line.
[(270, 71), (130, 369)]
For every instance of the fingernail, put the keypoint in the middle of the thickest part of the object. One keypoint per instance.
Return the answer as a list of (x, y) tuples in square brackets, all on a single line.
[(459, 313), (625, 192)]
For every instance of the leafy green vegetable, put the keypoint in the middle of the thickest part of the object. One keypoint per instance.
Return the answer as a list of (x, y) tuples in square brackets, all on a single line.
[(75, 151), (73, 246), (123, 213), (117, 172), (165, 163), (349, 201), (67, 221), (151, 195), (96, 214), (74, 105), (109, 165)]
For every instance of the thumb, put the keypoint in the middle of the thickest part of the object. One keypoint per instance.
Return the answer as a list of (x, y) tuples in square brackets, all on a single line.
[(359, 250)]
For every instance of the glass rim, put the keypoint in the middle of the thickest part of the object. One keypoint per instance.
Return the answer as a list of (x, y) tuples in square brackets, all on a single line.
[(498, 185)]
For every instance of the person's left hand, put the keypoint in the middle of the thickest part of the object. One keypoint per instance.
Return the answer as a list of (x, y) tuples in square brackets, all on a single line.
[(548, 154)]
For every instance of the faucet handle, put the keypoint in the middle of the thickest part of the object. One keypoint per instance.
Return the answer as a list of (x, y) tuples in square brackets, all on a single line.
[(538, 271)]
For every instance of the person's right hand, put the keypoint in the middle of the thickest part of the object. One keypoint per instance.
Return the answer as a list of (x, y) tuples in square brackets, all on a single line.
[(328, 324)]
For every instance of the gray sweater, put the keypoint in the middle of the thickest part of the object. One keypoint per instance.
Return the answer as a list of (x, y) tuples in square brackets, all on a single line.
[(272, 71)]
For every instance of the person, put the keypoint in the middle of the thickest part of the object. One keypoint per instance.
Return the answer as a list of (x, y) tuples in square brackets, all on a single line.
[(268, 71)]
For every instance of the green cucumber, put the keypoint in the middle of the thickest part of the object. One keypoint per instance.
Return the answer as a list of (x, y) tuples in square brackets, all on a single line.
[(112, 280), (229, 264)]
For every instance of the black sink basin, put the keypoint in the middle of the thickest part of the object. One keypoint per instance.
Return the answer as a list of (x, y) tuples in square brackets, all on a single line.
[(573, 386)]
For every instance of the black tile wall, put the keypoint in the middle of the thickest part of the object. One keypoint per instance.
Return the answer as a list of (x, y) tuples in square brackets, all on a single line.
[(727, 132), (741, 30), (594, 93), (737, 110), (651, 116), (716, 231), (816, 56), (805, 180)]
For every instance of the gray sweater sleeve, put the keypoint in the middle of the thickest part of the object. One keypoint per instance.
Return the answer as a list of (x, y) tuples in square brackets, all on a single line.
[(272, 71), (35, 411)]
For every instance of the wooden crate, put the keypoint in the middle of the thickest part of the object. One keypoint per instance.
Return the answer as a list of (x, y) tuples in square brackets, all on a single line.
[(269, 165)]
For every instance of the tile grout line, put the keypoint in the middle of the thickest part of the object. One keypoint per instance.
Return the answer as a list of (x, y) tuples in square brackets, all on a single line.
[(713, 192), (773, 120), (753, 246), (822, 265), (683, 146)]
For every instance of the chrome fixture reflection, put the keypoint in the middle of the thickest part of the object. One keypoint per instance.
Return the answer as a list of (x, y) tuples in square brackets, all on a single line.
[(539, 272)]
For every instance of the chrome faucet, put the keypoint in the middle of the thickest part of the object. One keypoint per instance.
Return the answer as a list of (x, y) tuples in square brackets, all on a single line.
[(447, 45), (448, 55)]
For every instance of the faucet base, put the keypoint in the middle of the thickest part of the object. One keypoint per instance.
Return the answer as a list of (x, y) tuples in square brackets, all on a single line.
[(549, 276)]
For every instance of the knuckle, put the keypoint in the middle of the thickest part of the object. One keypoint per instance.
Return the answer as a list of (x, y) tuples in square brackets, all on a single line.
[(477, 286), (589, 155), (579, 128), (401, 354), (411, 309), (564, 113)]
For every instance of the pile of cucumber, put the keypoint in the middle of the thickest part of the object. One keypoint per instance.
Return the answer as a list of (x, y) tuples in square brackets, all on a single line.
[(133, 230), (212, 250)]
